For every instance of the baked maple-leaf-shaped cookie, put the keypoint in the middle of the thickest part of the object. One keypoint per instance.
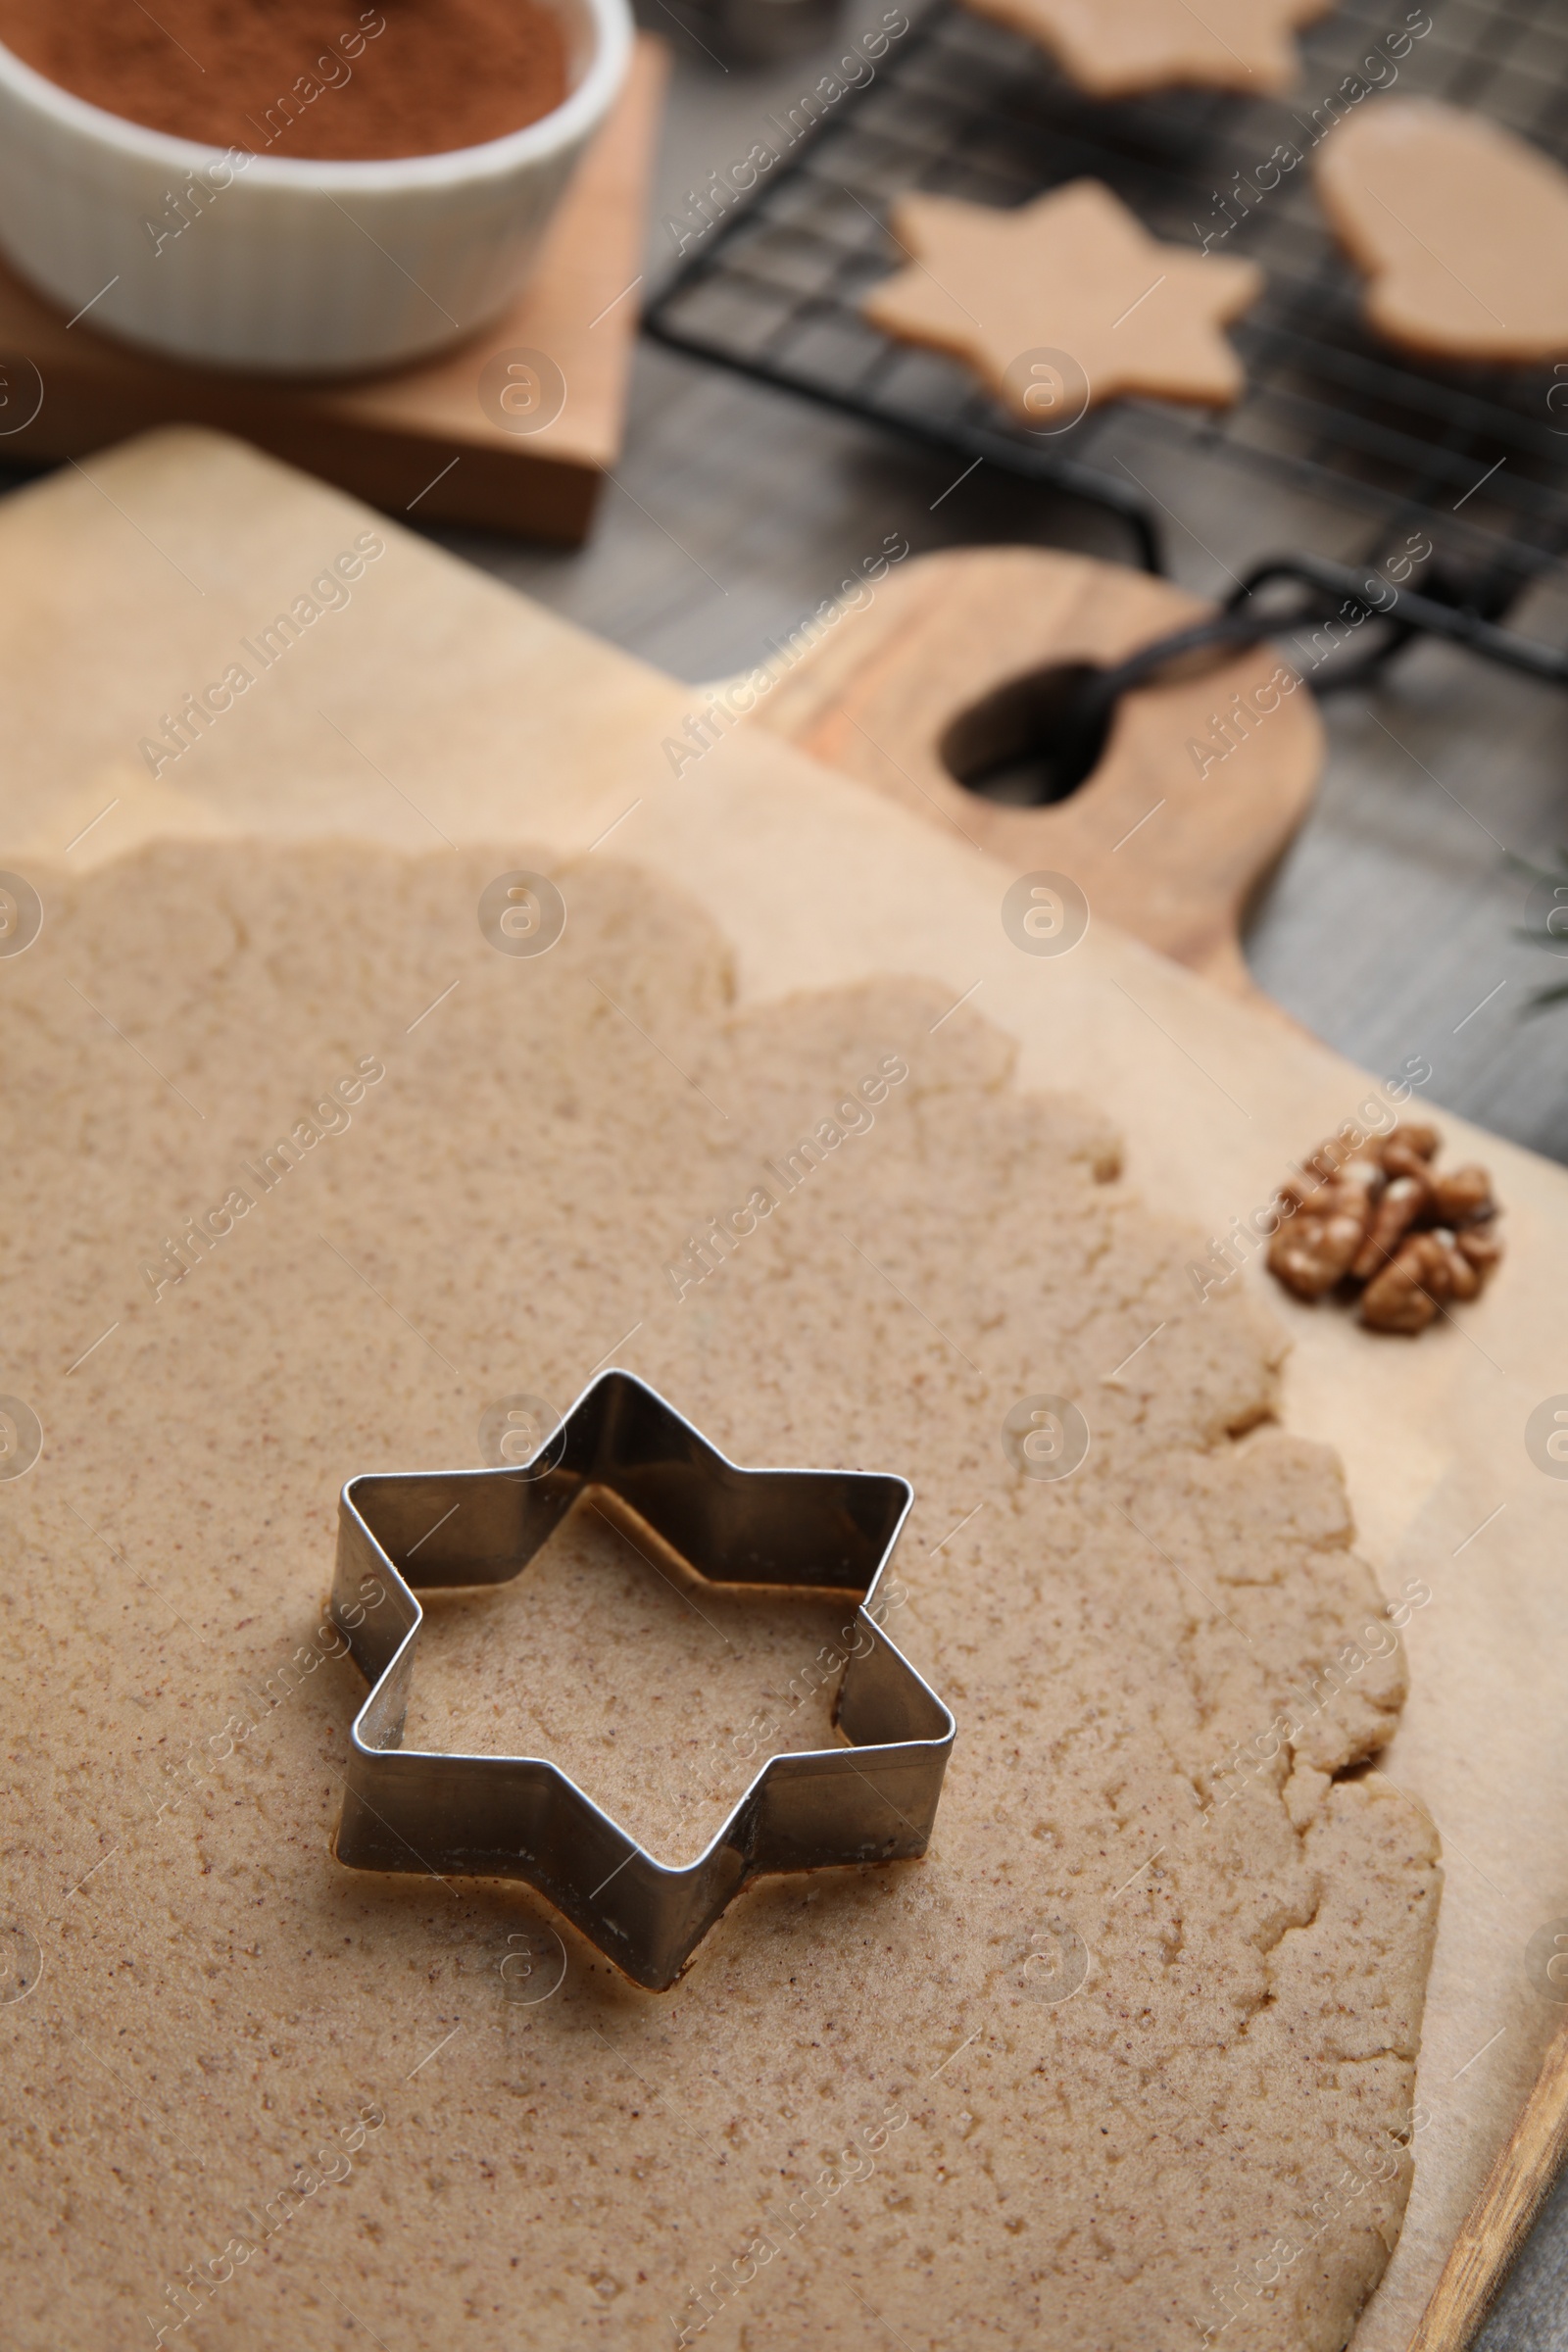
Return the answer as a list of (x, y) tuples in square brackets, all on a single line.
[(1074, 276), (1461, 228), (1117, 48)]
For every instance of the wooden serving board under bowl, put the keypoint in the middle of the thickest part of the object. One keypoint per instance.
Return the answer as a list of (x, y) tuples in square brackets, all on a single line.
[(438, 708), (424, 438)]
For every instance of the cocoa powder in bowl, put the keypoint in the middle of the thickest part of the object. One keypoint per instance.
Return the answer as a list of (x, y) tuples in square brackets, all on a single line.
[(322, 80)]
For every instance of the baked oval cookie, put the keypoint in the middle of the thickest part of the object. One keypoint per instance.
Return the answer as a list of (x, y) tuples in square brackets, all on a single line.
[(1125, 2062), (1064, 303), (1119, 48), (1460, 227)]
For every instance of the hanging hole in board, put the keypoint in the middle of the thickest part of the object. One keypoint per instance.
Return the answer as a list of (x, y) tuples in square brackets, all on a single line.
[(1033, 740)]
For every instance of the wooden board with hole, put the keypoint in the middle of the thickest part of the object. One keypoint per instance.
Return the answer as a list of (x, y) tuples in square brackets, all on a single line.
[(127, 587), (950, 674)]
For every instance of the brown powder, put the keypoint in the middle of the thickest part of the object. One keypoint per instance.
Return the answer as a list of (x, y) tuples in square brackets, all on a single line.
[(314, 78)]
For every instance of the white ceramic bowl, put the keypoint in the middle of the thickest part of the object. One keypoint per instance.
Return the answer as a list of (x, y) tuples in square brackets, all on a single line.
[(286, 266)]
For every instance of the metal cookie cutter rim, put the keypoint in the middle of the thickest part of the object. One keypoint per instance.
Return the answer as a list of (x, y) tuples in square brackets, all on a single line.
[(521, 1817)]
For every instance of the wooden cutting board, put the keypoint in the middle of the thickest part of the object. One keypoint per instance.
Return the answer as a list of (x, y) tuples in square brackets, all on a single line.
[(1203, 780), (435, 707)]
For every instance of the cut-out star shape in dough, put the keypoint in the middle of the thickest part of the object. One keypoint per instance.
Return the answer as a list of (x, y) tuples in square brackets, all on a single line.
[(1117, 48), (1072, 277), (870, 1798)]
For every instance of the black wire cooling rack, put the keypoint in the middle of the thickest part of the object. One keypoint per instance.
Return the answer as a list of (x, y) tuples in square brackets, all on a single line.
[(1475, 459)]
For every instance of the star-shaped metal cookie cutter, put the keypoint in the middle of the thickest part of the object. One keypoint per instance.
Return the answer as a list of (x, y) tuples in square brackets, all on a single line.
[(520, 1817)]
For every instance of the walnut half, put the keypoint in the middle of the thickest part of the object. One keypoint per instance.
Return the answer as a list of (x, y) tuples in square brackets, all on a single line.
[(1380, 1214), (1321, 1242)]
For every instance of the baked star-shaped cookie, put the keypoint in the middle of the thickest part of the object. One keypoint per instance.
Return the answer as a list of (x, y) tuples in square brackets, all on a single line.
[(1117, 48), (1064, 303)]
